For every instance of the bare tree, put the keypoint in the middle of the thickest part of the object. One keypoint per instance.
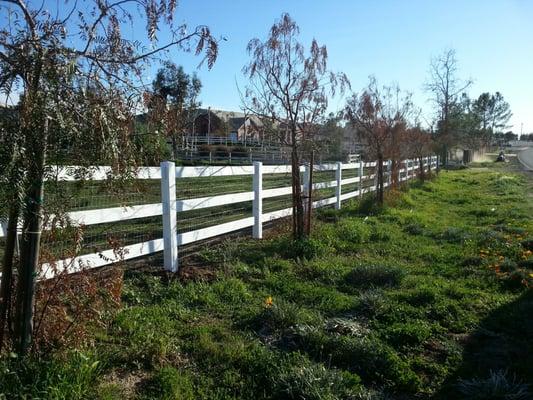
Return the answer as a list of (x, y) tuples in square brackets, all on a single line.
[(77, 75), (379, 116), (446, 89), (290, 88)]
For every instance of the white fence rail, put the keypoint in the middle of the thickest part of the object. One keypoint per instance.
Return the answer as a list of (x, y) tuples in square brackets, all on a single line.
[(170, 207)]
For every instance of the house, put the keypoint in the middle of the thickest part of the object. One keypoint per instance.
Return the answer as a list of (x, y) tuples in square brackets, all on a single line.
[(235, 125)]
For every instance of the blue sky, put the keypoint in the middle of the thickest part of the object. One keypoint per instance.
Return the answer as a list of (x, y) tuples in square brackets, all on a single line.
[(391, 39)]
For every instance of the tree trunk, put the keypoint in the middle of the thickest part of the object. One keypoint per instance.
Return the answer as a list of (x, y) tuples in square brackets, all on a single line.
[(31, 234), (421, 167), (6, 284), (29, 259), (379, 189), (310, 194), (299, 232), (395, 183)]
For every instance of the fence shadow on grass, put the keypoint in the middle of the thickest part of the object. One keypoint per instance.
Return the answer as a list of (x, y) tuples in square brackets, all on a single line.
[(502, 344)]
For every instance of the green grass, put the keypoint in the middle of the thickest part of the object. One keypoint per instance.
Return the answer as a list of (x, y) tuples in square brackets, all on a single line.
[(426, 298)]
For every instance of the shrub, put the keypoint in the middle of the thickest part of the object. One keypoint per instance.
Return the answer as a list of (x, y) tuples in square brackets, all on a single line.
[(497, 386), (527, 263), (509, 229), (527, 244), (352, 231), (368, 357), (374, 275), (326, 270), (369, 206), (472, 261), (422, 296), (328, 214), (303, 379), (204, 150), (282, 315), (222, 151), (307, 249), (372, 301), (508, 265), (70, 306), (239, 151), (454, 235), (414, 229)]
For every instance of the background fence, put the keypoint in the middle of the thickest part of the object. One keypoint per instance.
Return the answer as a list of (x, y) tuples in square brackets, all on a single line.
[(174, 206)]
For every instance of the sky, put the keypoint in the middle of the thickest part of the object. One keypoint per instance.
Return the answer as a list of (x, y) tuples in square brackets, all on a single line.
[(393, 40)]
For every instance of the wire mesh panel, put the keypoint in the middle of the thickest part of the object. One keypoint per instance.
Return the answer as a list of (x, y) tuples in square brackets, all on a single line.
[(369, 179), (272, 181), (350, 173), (65, 237), (324, 182), (202, 218), (91, 195), (190, 188), (277, 203)]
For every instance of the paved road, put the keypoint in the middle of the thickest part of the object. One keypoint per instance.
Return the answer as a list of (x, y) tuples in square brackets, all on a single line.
[(526, 158)]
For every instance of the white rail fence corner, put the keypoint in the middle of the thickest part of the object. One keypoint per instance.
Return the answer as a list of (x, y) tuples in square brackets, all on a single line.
[(170, 206)]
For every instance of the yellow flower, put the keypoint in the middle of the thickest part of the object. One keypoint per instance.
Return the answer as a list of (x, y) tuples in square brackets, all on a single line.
[(268, 301), (531, 275)]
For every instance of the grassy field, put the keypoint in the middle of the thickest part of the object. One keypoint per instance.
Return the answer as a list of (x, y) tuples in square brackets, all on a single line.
[(428, 298)]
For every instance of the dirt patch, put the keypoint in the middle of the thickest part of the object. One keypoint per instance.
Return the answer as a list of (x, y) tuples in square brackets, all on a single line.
[(199, 271), (126, 383)]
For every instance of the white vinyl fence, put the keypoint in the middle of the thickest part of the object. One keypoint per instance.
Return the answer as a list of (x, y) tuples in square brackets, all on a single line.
[(171, 205)]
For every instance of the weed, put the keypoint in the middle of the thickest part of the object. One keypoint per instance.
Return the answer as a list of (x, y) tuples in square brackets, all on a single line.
[(313, 381), (527, 244), (169, 384), (408, 333), (301, 249), (373, 275), (497, 386)]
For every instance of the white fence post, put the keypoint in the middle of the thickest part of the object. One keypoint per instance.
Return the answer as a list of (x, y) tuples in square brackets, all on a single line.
[(338, 189), (170, 232), (258, 200)]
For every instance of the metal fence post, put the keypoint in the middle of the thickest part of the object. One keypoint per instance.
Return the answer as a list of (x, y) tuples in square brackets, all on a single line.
[(258, 200), (168, 200), (338, 189)]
